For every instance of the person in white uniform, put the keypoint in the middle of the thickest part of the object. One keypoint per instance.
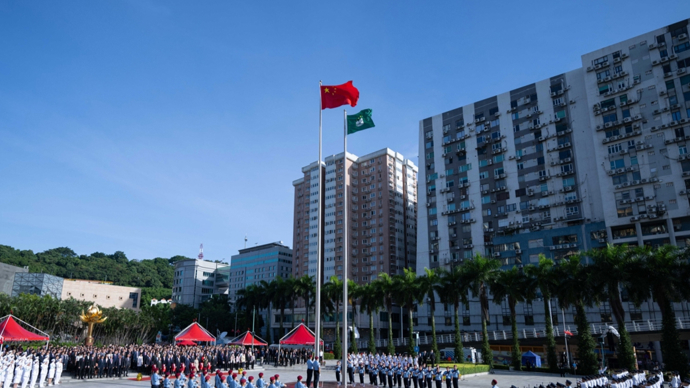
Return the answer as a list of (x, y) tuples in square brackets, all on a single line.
[(44, 372), (26, 371), (58, 371), (51, 372), (34, 372), (9, 375), (18, 371)]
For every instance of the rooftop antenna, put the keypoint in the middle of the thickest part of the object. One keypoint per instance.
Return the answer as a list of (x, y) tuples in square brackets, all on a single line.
[(245, 240), (201, 252)]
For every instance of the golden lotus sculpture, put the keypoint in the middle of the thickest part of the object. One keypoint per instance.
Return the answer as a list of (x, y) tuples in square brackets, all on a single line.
[(93, 315)]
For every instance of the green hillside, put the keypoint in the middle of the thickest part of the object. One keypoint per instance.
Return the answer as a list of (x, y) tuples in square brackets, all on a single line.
[(155, 275)]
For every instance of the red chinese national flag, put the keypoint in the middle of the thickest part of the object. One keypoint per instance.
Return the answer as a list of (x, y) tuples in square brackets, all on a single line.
[(339, 95)]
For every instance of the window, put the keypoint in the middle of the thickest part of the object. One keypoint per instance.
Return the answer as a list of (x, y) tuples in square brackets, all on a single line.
[(134, 296), (618, 163), (681, 47)]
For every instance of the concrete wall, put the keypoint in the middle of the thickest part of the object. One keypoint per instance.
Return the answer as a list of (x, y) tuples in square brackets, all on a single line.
[(104, 295)]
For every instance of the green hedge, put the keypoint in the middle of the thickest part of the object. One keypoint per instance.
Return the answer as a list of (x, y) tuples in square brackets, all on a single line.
[(328, 356), (466, 369)]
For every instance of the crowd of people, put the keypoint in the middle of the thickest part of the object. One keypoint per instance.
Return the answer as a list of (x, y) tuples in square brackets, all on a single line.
[(44, 366)]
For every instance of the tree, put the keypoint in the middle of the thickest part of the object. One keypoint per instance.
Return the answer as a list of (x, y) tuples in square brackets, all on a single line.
[(334, 291), (429, 284), (269, 290), (387, 288), (408, 294), (304, 288), (371, 302), (661, 275), (482, 271), (611, 272), (575, 289), (512, 285), (543, 277), (353, 295), (453, 290), (283, 295)]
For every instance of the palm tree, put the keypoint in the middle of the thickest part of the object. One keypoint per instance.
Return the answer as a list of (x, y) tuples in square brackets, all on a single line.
[(371, 302), (576, 289), (387, 288), (512, 285), (327, 308), (482, 271), (269, 292), (543, 277), (660, 275), (407, 296), (334, 291), (283, 296), (429, 284), (453, 290), (610, 271), (353, 295), (304, 287)]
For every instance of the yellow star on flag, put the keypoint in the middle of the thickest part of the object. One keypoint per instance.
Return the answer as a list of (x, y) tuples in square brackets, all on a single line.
[(325, 90)]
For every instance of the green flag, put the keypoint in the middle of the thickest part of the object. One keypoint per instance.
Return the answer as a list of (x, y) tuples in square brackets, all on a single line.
[(359, 122)]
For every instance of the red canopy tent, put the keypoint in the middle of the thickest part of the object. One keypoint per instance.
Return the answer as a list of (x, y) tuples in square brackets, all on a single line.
[(10, 330), (300, 335), (195, 332), (247, 339), (185, 343)]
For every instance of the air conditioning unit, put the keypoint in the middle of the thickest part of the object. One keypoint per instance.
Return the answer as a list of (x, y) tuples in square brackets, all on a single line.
[(682, 36), (497, 254), (518, 251)]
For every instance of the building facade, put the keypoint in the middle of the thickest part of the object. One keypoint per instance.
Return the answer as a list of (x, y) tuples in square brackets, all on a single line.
[(7, 277), (104, 294), (592, 156), (197, 280), (40, 284), (382, 218), (259, 263), (639, 99)]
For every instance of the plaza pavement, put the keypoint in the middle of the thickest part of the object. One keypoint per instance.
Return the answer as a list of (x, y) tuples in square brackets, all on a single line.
[(288, 375)]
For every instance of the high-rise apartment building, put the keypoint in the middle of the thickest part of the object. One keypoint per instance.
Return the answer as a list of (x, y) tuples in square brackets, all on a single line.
[(592, 156), (639, 105), (254, 264), (382, 203)]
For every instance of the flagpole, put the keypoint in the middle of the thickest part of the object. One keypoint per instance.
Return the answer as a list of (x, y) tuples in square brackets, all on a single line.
[(343, 366), (317, 320)]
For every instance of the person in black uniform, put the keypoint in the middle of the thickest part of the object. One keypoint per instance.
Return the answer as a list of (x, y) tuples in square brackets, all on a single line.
[(337, 371), (317, 372), (350, 372), (80, 366)]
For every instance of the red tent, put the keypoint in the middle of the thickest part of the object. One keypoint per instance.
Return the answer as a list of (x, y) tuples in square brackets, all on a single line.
[(185, 343), (10, 330), (248, 339), (301, 335), (195, 332)]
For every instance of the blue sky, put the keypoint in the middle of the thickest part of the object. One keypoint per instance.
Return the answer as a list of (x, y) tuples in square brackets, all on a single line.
[(152, 126)]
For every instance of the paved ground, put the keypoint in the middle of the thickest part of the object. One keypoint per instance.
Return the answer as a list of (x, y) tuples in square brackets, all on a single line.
[(289, 375)]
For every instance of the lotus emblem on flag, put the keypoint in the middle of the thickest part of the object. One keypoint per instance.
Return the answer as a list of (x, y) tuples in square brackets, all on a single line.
[(360, 122)]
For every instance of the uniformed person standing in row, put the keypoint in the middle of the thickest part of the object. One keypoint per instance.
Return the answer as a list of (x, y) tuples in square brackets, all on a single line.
[(438, 377), (310, 370), (337, 371)]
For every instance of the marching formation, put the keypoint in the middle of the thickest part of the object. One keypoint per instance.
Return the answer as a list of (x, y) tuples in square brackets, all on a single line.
[(27, 369), (221, 380)]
